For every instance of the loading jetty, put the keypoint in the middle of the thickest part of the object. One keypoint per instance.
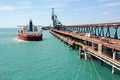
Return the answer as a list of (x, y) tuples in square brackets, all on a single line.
[(92, 40)]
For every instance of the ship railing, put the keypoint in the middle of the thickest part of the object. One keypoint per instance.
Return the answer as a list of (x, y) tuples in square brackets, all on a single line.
[(31, 33)]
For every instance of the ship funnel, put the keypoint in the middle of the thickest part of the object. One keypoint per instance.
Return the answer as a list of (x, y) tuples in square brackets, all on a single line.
[(30, 25)]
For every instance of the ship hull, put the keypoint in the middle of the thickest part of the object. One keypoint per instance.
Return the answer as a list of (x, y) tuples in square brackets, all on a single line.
[(30, 37)]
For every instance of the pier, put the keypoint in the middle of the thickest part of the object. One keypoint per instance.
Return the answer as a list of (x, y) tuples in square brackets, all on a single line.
[(92, 40)]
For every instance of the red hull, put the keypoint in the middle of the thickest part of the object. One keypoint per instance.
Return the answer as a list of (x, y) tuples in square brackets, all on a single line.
[(30, 37)]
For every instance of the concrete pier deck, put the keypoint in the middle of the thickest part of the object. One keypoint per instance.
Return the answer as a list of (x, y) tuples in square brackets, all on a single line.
[(89, 43)]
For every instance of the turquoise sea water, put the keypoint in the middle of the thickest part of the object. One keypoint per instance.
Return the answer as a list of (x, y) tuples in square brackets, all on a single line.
[(49, 59)]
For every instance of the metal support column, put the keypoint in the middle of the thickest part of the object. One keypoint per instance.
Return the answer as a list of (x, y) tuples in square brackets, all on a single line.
[(108, 32), (102, 32), (116, 35), (95, 31)]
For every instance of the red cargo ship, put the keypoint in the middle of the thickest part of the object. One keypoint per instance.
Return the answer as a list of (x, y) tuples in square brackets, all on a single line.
[(30, 33)]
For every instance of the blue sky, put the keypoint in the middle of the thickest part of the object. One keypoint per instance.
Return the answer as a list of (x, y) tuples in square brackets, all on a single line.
[(69, 12)]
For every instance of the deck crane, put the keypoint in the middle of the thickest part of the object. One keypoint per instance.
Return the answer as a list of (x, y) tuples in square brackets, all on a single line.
[(56, 22)]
